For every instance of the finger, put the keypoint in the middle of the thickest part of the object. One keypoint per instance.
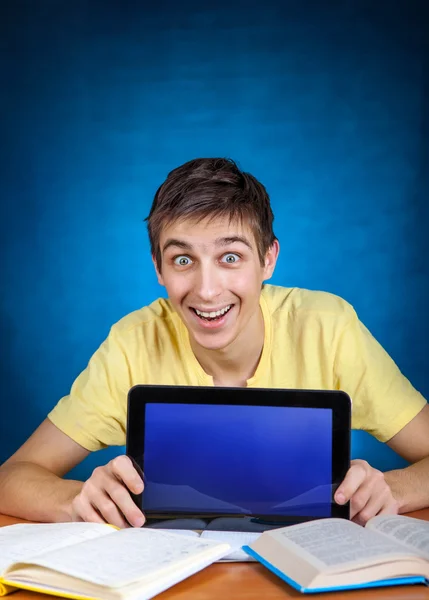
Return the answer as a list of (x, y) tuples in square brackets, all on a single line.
[(371, 498), (122, 499), (389, 509), (123, 469), (352, 481), (365, 495), (362, 510), (110, 512), (373, 508), (84, 511)]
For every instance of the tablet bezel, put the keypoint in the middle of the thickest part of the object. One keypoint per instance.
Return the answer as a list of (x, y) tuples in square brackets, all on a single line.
[(338, 401)]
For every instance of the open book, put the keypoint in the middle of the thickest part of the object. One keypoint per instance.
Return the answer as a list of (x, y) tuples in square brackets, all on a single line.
[(335, 554), (236, 539), (89, 560)]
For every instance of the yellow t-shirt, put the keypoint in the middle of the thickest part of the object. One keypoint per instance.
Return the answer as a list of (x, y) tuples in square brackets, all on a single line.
[(313, 340)]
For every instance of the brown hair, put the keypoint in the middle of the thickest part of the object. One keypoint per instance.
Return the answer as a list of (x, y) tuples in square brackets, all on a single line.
[(211, 187)]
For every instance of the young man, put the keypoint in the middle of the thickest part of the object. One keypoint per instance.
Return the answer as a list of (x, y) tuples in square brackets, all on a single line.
[(213, 246)]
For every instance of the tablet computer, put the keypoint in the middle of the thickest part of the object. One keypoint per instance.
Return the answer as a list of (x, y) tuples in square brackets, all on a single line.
[(268, 455)]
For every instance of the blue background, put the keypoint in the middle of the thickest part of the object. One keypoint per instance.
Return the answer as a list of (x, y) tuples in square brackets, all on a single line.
[(326, 101), (252, 457)]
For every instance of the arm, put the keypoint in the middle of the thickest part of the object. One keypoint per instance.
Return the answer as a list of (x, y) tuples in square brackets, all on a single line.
[(410, 486), (31, 482), (33, 488)]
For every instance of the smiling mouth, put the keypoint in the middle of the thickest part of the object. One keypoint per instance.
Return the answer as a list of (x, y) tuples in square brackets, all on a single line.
[(213, 315)]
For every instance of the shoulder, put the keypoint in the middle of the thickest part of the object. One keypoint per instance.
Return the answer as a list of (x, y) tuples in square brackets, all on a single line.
[(156, 315), (304, 302)]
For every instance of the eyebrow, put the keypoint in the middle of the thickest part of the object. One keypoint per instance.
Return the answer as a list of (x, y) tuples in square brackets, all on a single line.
[(222, 241), (177, 243), (225, 241)]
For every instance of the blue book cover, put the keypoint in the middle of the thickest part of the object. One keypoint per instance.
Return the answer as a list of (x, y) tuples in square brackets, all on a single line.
[(305, 590)]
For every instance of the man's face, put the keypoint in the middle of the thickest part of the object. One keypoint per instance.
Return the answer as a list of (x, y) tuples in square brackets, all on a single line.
[(213, 276)]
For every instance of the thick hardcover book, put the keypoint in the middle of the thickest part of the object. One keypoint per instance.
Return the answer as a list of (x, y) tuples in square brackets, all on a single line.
[(336, 554)]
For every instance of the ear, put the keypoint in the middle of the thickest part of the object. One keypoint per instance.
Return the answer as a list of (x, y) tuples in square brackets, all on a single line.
[(158, 272), (271, 259)]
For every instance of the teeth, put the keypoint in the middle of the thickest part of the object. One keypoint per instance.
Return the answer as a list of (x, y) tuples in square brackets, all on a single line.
[(212, 315)]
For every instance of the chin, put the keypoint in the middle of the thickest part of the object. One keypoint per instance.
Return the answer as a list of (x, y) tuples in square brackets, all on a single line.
[(212, 344)]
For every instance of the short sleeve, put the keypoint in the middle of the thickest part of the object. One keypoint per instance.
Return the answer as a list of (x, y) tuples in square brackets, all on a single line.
[(94, 413), (383, 400)]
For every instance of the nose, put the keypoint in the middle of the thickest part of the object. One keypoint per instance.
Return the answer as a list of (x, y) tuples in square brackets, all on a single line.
[(208, 284)]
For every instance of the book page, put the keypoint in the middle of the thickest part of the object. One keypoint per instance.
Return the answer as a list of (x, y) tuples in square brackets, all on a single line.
[(236, 539), (332, 543), (21, 542), (412, 533), (127, 556), (185, 532)]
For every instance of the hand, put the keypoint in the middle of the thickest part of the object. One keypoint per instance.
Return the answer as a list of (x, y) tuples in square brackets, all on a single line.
[(105, 496), (368, 492)]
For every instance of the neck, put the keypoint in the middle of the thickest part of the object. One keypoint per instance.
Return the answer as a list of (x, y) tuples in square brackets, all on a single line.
[(235, 364)]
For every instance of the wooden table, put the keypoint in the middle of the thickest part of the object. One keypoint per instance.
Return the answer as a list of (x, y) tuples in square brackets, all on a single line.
[(251, 581)]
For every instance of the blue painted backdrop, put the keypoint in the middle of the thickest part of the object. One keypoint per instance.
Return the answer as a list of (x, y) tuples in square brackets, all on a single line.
[(325, 101)]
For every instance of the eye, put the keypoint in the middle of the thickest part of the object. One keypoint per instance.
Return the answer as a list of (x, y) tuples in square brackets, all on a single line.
[(230, 258), (182, 261)]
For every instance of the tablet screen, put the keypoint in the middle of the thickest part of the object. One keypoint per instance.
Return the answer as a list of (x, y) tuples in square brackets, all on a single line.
[(242, 460)]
